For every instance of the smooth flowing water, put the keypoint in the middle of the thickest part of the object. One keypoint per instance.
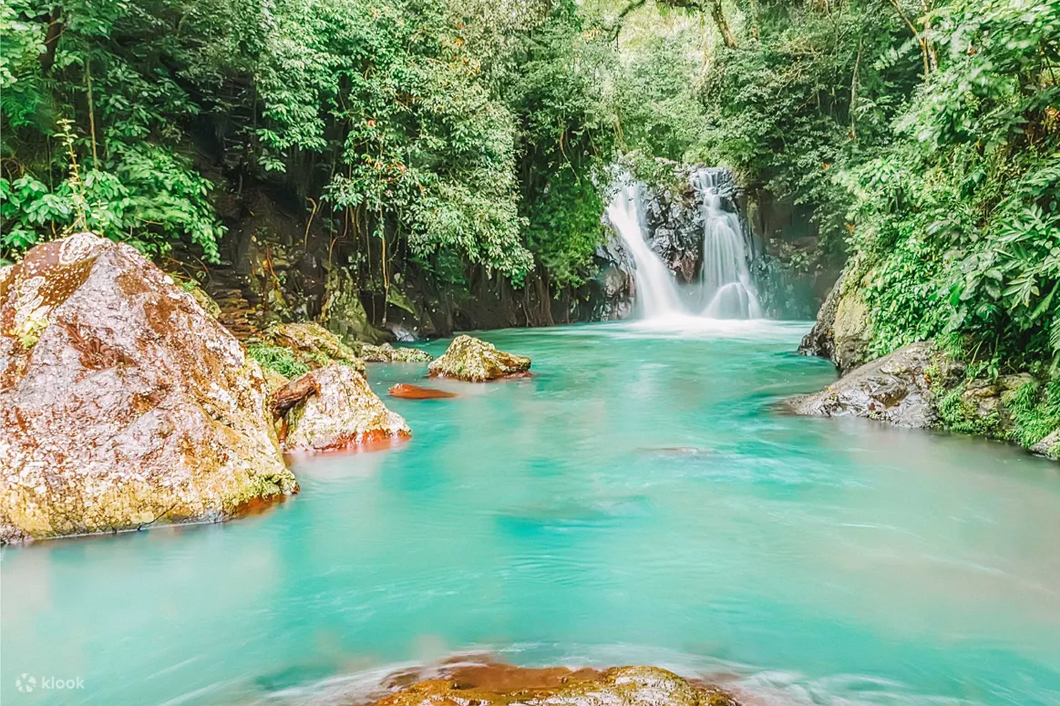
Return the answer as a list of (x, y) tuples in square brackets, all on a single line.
[(656, 291), (638, 500), (726, 284)]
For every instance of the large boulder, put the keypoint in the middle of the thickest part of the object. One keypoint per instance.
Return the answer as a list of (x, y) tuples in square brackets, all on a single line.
[(897, 388), (503, 685), (842, 332), (123, 403), (474, 360), (342, 411)]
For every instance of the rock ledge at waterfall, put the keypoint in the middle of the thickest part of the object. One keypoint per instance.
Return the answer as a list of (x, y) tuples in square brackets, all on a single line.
[(123, 402)]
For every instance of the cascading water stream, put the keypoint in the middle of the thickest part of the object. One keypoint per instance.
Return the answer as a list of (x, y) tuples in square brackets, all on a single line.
[(727, 288), (724, 291), (656, 290)]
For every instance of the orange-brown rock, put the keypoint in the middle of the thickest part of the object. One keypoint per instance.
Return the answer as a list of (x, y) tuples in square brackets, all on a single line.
[(122, 402), (343, 411), (415, 392), (504, 685)]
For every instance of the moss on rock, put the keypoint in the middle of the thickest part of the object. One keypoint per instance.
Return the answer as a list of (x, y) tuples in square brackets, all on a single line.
[(132, 407), (474, 360), (311, 346)]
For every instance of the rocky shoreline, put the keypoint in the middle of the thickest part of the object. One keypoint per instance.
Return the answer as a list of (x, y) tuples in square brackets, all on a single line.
[(922, 385), (129, 404)]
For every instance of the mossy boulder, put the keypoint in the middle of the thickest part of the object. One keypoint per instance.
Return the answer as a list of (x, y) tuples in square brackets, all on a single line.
[(503, 685), (205, 300), (474, 360), (342, 412), (387, 353), (843, 330), (311, 345), (123, 403)]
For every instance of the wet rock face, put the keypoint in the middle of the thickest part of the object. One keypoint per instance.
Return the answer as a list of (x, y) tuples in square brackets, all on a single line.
[(612, 289), (123, 403), (842, 331), (897, 388), (342, 412), (674, 221), (475, 360), (501, 685)]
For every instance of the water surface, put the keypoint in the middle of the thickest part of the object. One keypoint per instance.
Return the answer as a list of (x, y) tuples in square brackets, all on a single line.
[(638, 500)]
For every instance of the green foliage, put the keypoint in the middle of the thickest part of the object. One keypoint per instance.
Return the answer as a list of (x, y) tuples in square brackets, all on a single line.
[(92, 128), (1035, 411), (958, 217), (278, 359)]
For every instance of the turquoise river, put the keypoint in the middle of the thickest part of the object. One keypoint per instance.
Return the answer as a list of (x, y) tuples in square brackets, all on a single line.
[(641, 499)]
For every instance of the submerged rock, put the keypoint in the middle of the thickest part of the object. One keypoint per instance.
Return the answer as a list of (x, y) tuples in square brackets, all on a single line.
[(123, 403), (897, 388), (415, 392), (503, 685), (386, 353), (474, 360), (342, 412)]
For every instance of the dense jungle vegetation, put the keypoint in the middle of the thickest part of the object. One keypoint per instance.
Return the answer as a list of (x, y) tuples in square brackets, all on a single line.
[(924, 134)]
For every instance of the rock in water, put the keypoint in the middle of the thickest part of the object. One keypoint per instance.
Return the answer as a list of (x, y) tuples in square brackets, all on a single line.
[(502, 685), (344, 412), (474, 360), (415, 392), (896, 388), (122, 401), (386, 353)]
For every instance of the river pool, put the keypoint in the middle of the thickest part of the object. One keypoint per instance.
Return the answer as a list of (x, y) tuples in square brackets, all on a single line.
[(639, 499)]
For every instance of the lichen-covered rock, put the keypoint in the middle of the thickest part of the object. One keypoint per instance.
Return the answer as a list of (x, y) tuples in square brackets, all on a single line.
[(313, 345), (344, 412), (842, 332), (386, 353), (205, 300), (474, 360), (897, 388), (122, 402), (503, 685), (344, 311)]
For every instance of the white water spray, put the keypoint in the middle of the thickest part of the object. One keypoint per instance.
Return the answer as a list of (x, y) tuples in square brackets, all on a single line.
[(656, 290), (724, 291), (727, 287)]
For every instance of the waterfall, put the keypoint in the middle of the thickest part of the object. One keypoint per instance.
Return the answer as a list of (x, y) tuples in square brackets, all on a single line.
[(727, 290), (656, 290), (723, 290)]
